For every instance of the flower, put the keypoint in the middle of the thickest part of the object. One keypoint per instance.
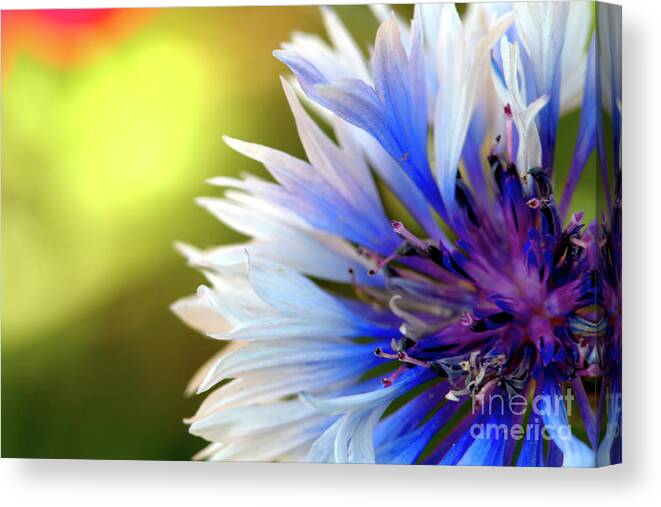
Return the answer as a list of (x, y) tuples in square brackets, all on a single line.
[(460, 331)]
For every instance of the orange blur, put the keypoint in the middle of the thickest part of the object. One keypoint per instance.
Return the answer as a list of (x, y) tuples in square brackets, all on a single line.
[(66, 37)]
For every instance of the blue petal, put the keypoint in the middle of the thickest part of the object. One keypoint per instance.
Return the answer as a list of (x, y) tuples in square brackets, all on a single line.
[(408, 417), (490, 449), (587, 132), (399, 82), (532, 453), (394, 112), (575, 452), (459, 448), (472, 151), (401, 185), (408, 448)]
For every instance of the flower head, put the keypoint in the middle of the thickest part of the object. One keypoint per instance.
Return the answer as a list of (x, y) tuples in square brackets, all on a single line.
[(361, 334)]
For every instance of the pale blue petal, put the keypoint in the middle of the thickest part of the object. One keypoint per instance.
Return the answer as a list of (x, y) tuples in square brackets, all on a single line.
[(250, 420), (286, 327), (354, 441), (322, 450), (368, 399), (575, 452)]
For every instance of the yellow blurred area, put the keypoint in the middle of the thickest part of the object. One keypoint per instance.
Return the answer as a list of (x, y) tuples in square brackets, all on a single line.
[(108, 150), (96, 158)]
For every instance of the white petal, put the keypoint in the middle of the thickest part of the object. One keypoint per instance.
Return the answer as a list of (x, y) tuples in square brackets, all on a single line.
[(542, 27), (574, 54), (269, 385), (200, 314), (283, 239), (331, 162), (347, 49), (359, 433), (250, 420), (529, 153), (283, 353), (459, 66), (293, 294)]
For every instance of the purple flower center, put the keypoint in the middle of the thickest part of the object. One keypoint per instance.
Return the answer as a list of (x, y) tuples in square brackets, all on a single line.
[(514, 293)]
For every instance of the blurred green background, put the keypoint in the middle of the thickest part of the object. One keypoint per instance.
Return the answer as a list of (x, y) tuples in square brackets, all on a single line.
[(111, 122)]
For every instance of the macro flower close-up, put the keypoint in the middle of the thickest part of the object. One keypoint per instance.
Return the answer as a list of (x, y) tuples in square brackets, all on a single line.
[(424, 286)]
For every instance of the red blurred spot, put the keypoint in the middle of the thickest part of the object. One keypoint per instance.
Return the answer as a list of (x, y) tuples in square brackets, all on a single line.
[(66, 37)]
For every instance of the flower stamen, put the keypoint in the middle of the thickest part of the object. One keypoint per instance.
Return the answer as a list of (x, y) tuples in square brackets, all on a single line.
[(390, 380), (400, 229)]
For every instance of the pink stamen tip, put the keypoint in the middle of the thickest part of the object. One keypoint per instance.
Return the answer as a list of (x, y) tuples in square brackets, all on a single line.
[(508, 110), (399, 228), (466, 319), (388, 381), (534, 203)]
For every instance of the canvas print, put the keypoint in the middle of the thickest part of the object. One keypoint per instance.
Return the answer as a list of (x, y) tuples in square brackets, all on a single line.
[(412, 253)]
